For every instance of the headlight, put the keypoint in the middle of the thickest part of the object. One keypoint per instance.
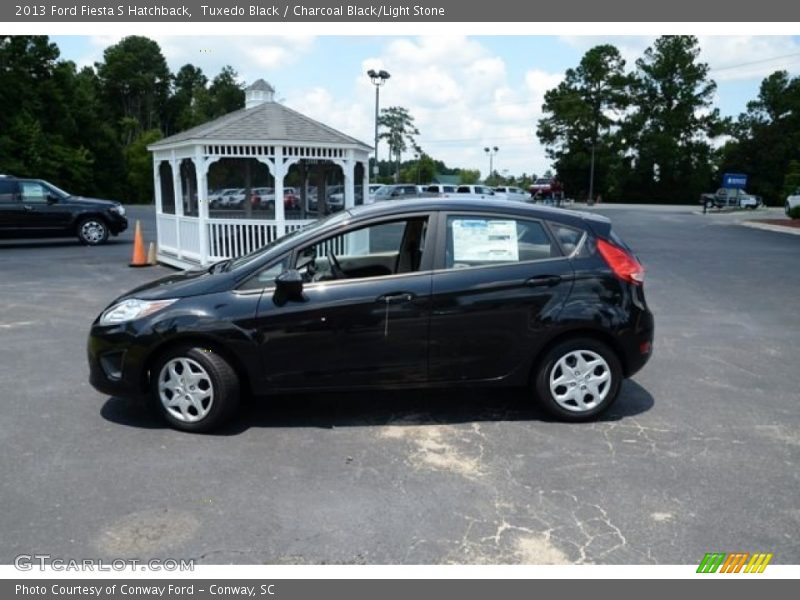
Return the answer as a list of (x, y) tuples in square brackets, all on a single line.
[(131, 309), (119, 209)]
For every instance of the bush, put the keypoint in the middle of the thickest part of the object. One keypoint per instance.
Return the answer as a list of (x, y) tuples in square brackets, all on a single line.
[(794, 212)]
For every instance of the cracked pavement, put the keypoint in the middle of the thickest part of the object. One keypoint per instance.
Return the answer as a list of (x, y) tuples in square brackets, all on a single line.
[(699, 454)]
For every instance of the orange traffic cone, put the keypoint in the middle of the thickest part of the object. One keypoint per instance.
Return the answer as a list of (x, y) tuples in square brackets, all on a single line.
[(139, 259)]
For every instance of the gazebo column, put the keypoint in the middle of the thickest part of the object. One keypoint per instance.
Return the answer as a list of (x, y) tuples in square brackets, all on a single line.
[(278, 175), (349, 169), (201, 172), (365, 183), (177, 190), (157, 185)]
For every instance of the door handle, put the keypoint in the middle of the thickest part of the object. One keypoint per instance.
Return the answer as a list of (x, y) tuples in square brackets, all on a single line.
[(543, 281), (27, 208), (395, 298)]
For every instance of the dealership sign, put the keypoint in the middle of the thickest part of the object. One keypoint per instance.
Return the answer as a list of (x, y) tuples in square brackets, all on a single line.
[(734, 180)]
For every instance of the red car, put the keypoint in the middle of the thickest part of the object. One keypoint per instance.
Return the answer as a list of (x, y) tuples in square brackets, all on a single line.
[(541, 187)]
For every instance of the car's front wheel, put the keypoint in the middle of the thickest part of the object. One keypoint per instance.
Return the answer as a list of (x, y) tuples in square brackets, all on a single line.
[(195, 389), (92, 231), (578, 379)]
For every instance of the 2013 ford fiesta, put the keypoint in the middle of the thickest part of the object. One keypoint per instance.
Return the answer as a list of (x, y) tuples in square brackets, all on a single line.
[(416, 293)]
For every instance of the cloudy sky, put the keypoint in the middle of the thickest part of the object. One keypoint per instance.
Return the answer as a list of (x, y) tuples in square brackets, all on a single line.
[(465, 92)]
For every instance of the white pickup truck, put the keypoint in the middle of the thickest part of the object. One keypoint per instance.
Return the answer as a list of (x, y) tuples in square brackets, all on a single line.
[(730, 198), (792, 201)]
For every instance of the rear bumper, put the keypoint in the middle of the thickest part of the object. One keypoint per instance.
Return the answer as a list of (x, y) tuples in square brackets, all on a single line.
[(638, 347)]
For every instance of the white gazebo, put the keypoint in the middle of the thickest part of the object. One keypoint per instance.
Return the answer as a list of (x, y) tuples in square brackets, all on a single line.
[(259, 143)]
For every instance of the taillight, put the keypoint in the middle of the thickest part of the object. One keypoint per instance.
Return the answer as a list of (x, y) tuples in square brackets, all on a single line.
[(625, 266)]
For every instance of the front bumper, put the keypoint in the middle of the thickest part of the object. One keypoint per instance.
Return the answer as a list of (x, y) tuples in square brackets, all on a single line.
[(117, 363), (117, 223)]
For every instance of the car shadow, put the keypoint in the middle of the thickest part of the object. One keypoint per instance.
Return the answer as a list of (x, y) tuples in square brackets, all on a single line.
[(329, 410)]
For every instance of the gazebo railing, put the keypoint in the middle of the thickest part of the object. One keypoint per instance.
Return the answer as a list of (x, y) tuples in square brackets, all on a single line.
[(230, 238), (179, 236)]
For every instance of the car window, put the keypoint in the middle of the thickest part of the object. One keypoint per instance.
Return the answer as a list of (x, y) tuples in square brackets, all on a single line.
[(378, 250), (568, 237), (33, 192), (474, 241), (464, 189), (265, 278), (8, 188)]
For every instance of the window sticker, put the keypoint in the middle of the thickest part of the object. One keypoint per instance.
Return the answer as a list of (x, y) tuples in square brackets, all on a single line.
[(484, 240)]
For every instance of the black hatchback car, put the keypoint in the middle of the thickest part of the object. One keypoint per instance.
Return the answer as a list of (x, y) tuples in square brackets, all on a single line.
[(429, 292), (36, 208)]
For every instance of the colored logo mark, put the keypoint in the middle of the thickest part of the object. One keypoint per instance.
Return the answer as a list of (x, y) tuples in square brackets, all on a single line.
[(734, 562)]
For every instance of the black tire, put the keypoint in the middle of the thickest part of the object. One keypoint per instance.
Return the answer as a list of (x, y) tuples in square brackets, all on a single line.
[(548, 364), (222, 381), (92, 231)]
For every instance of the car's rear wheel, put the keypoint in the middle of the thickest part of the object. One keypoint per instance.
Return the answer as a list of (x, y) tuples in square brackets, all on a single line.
[(578, 379), (195, 389), (92, 231)]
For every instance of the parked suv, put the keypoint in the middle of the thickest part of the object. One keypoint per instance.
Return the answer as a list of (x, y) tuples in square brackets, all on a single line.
[(429, 292), (36, 208)]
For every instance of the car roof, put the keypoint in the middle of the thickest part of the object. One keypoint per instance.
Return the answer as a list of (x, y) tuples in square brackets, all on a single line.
[(401, 207)]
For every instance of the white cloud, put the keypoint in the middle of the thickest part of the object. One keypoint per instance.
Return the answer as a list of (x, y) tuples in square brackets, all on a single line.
[(460, 95), (749, 57), (251, 56), (731, 58)]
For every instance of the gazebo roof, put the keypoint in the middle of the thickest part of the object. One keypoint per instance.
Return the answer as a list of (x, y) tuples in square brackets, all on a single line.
[(267, 122)]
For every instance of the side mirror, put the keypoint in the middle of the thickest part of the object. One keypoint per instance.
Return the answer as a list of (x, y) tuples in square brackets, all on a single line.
[(288, 286), (52, 199)]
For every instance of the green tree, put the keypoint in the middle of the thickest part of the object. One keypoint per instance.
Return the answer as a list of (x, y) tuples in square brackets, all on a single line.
[(40, 133), (399, 132), (766, 138), (667, 138), (139, 167), (469, 176), (136, 82), (580, 115), (225, 94), (189, 100), (420, 170), (791, 182)]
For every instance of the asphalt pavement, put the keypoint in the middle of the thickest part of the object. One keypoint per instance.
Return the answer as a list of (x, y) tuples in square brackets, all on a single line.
[(699, 454)]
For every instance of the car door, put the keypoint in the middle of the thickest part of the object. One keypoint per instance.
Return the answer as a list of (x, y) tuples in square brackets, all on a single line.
[(42, 208), (499, 282), (11, 211), (366, 328)]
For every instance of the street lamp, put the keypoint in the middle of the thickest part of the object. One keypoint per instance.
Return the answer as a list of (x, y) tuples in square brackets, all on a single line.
[(378, 78), (491, 152)]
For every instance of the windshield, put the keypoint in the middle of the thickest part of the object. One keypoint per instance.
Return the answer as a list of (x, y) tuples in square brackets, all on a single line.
[(386, 191), (283, 243)]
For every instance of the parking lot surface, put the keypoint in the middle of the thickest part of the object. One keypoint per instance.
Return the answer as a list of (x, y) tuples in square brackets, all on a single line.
[(699, 454)]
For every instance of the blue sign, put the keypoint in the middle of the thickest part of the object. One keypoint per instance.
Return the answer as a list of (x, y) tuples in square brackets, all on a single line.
[(734, 180)]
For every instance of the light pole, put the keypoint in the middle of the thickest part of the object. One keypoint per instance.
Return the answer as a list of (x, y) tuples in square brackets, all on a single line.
[(378, 78), (491, 152)]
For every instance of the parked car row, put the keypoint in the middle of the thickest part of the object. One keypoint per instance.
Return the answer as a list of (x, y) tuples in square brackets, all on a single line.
[(444, 190)]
